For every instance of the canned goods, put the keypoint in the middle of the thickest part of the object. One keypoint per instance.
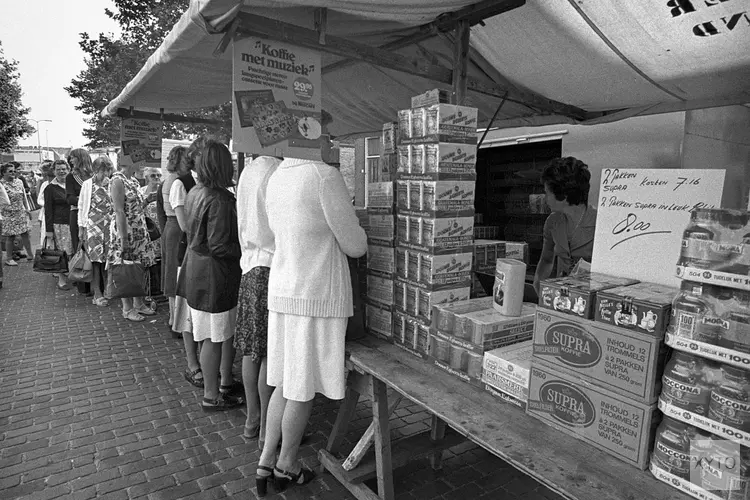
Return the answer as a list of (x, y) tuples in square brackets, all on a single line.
[(688, 381), (730, 401)]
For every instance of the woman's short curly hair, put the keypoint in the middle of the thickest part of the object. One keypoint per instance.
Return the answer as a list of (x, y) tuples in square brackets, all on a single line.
[(177, 156), (568, 179)]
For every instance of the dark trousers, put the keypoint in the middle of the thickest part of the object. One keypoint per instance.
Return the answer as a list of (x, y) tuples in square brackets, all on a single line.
[(83, 288)]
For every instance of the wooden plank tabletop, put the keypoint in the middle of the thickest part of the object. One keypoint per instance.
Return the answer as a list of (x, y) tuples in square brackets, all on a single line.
[(566, 465)]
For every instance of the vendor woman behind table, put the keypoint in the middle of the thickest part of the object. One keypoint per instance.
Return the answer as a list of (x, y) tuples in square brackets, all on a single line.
[(569, 230)]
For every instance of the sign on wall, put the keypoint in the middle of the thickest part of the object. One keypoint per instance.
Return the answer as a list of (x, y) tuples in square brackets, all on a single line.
[(642, 214), (140, 141), (276, 107)]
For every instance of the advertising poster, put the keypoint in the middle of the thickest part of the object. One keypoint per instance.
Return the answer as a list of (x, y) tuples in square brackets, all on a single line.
[(140, 141), (641, 215), (276, 105)]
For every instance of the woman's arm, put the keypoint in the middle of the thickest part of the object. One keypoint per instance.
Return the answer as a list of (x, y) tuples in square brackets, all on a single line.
[(72, 189), (4, 200), (177, 195), (340, 215), (117, 193), (547, 259), (49, 210), (40, 197)]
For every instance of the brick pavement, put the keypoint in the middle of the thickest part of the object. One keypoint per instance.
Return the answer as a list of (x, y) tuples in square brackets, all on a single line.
[(92, 406)]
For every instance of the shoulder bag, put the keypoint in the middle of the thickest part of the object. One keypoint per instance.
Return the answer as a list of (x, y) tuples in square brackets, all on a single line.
[(50, 260)]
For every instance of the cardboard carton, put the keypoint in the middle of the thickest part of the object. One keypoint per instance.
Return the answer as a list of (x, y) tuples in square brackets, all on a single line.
[(508, 369), (644, 307), (577, 294)]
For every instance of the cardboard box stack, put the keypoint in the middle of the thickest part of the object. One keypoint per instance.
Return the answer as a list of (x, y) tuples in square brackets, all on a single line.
[(486, 253), (434, 195), (598, 358), (706, 384), (460, 334)]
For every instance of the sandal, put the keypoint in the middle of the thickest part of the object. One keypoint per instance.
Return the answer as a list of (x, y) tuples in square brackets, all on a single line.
[(190, 376), (64, 287), (251, 432), (132, 315), (145, 311), (261, 481), (222, 403), (233, 389), (283, 479), (100, 301)]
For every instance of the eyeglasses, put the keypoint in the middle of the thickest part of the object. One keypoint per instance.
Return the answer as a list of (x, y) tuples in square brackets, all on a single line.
[(155, 176)]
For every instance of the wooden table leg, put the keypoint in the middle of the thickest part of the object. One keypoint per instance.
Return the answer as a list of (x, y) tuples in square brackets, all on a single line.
[(367, 438), (356, 383), (437, 433), (382, 439)]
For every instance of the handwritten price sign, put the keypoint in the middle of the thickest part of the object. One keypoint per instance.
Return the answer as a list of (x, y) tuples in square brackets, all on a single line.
[(641, 217)]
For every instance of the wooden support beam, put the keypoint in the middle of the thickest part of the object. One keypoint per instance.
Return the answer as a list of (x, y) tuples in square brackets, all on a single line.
[(303, 37), (321, 24), (227, 38), (461, 61), (380, 417), (437, 435), (366, 440), (167, 117)]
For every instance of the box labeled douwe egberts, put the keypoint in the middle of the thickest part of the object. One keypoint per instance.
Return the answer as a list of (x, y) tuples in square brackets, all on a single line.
[(429, 299), (618, 360), (577, 294), (411, 334), (508, 369), (451, 123), (379, 320), (644, 307), (619, 426), (380, 289), (381, 258), (381, 227), (444, 315), (380, 195), (390, 137), (444, 270), (434, 96), (446, 235)]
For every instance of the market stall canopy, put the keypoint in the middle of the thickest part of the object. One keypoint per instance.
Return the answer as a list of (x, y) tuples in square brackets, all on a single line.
[(562, 61)]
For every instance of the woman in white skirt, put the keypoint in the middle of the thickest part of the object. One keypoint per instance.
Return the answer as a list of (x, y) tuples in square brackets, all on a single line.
[(210, 275), (309, 300)]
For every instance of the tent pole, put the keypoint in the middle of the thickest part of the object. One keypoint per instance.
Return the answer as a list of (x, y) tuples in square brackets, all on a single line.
[(461, 61), (492, 120), (240, 164)]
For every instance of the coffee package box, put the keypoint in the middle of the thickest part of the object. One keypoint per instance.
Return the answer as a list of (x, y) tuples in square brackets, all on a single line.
[(442, 123), (460, 362), (518, 250), (436, 271), (380, 289), (429, 299), (380, 195), (616, 425), (644, 307), (577, 294), (508, 369), (716, 248), (487, 329), (379, 320), (390, 137), (439, 161), (411, 334), (445, 235), (434, 96), (387, 167), (621, 361), (381, 258), (444, 315), (381, 227)]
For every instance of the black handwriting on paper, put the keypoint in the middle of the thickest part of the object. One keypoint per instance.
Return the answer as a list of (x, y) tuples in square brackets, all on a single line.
[(631, 224)]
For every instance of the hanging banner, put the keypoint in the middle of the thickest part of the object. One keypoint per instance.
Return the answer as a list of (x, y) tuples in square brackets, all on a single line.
[(140, 141), (642, 214), (276, 107)]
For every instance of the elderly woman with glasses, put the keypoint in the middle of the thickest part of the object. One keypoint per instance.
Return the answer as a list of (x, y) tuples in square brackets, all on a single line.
[(16, 214), (150, 191)]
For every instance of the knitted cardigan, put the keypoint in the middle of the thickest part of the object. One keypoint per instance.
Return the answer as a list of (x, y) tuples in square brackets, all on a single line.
[(315, 227)]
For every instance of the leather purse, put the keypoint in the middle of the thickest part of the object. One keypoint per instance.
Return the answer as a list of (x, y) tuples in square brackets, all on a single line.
[(50, 260), (126, 279), (153, 230)]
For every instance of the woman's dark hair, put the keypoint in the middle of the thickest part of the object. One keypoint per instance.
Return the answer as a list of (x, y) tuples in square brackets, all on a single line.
[(83, 163), (568, 179), (177, 156), (196, 149), (215, 168), (5, 166), (48, 171)]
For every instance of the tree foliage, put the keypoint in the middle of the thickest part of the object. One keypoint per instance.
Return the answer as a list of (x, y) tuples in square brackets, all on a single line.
[(13, 122), (113, 61)]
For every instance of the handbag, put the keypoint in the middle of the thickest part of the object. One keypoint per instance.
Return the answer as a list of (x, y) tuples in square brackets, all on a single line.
[(153, 230), (80, 268), (50, 260), (31, 202), (126, 279)]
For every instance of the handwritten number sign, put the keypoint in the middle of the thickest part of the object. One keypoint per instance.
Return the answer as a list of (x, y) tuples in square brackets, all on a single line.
[(641, 216)]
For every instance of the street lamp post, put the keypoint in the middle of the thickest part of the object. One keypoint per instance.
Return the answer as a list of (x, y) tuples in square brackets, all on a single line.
[(38, 140)]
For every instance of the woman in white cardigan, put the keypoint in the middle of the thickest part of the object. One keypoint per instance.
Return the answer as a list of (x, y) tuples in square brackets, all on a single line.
[(315, 228), (94, 216)]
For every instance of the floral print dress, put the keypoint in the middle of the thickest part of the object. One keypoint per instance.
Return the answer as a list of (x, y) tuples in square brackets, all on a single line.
[(100, 219), (140, 246), (15, 220)]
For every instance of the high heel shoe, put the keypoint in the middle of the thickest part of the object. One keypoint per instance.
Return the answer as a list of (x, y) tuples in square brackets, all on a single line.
[(261, 482), (283, 479)]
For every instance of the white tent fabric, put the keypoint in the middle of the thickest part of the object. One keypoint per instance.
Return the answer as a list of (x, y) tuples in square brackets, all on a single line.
[(627, 58)]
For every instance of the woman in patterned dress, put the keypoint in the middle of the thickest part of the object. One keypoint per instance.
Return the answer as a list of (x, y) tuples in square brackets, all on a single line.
[(16, 216), (57, 216), (128, 236), (94, 219)]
